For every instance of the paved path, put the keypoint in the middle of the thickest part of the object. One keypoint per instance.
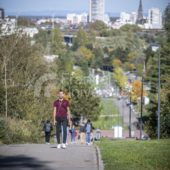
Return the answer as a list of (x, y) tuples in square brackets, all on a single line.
[(47, 157), (124, 111)]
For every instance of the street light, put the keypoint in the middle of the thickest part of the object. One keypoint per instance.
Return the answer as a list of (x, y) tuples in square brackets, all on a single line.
[(130, 111), (155, 48), (141, 113), (130, 116)]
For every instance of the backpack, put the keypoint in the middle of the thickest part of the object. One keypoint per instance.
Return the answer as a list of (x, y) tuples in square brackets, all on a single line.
[(88, 128), (47, 127)]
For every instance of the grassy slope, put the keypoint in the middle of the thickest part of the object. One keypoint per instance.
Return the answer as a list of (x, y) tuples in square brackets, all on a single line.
[(109, 108), (135, 155)]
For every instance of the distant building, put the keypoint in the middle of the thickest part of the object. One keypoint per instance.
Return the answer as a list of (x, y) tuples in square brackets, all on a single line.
[(30, 31), (140, 19), (155, 18), (152, 21), (125, 18), (97, 10), (8, 26), (77, 18), (133, 17), (2, 13)]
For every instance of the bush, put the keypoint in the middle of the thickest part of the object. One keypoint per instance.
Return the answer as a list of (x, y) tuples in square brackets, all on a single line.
[(19, 131)]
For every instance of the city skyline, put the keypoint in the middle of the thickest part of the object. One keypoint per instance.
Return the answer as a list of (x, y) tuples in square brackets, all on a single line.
[(111, 6)]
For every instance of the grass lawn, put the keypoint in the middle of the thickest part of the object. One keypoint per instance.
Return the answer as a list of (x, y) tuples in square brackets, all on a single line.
[(135, 155), (109, 108)]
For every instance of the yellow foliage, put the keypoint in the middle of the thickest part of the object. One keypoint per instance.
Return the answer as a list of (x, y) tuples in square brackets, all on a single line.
[(137, 90), (117, 63), (120, 78), (86, 53), (132, 56), (67, 96), (132, 66)]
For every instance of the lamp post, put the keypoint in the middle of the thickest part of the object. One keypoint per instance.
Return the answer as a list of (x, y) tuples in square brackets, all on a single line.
[(141, 113), (130, 113), (130, 110), (155, 48)]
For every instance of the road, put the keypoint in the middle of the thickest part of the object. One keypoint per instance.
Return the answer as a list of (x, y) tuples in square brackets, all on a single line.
[(47, 157), (124, 113)]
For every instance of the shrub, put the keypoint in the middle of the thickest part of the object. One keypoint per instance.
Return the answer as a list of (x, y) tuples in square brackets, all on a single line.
[(19, 131)]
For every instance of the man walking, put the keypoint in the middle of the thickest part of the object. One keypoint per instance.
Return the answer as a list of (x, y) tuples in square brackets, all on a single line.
[(61, 117)]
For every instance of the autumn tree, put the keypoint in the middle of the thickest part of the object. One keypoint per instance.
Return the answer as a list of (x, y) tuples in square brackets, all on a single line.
[(117, 63), (120, 78), (85, 53), (137, 90)]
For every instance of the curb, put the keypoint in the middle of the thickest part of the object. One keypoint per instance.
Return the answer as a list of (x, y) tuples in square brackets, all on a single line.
[(99, 160)]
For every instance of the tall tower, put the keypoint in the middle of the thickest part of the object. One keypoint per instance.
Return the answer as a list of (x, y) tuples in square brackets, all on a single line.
[(96, 10), (2, 13), (140, 14)]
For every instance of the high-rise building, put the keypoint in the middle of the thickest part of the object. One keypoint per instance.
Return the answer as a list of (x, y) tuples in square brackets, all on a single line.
[(96, 10), (140, 19), (2, 13), (155, 18)]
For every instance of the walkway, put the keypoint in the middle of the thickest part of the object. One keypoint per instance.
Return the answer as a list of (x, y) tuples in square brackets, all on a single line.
[(48, 157)]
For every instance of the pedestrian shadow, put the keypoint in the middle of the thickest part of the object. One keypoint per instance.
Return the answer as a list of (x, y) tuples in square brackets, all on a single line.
[(22, 162), (53, 147)]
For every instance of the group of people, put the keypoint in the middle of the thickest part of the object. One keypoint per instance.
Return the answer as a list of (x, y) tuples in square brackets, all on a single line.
[(62, 119)]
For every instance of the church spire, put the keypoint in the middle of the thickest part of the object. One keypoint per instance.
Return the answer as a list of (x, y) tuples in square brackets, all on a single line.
[(140, 13)]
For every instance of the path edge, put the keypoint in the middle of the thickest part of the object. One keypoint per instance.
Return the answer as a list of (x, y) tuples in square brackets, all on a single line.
[(99, 160)]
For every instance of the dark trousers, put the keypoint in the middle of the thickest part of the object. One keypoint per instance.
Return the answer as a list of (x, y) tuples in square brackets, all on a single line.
[(47, 136), (61, 122)]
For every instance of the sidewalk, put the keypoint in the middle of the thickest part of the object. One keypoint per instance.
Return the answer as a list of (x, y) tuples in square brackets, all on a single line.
[(48, 157)]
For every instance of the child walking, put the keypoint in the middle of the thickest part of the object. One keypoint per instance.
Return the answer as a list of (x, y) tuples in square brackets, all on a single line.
[(47, 129), (73, 134)]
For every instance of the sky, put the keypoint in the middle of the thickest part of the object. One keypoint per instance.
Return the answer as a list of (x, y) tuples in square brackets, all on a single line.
[(112, 6)]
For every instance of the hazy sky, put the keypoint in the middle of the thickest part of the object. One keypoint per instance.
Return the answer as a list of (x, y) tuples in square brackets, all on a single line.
[(112, 6)]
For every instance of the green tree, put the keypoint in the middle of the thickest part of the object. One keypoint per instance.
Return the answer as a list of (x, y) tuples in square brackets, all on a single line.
[(83, 100), (57, 40), (25, 22), (21, 65), (165, 84), (100, 28), (167, 21), (81, 39), (43, 38), (131, 28)]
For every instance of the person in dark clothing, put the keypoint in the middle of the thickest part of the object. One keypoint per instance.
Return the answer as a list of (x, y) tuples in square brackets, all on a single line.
[(73, 133), (47, 129), (61, 117)]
